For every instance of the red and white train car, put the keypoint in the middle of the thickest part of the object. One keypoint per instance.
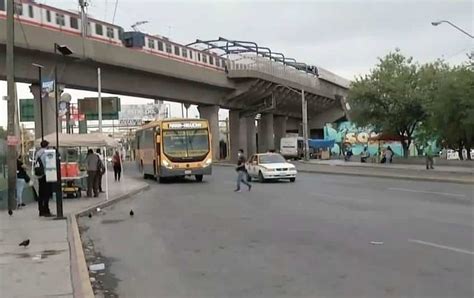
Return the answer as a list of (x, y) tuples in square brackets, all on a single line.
[(52, 18)]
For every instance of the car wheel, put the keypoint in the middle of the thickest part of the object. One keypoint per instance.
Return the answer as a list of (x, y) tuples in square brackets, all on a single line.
[(199, 178), (292, 179), (260, 177)]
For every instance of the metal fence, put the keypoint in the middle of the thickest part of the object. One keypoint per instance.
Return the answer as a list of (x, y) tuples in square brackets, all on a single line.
[(279, 70)]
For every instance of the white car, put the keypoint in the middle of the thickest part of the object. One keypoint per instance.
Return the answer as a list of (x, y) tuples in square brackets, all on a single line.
[(270, 166)]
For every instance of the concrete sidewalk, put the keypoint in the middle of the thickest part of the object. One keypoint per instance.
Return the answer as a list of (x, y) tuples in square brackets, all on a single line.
[(43, 269), (461, 175), (410, 172), (408, 167)]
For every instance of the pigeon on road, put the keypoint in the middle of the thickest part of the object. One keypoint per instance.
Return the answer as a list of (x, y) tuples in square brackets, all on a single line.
[(90, 215), (25, 243), (131, 213)]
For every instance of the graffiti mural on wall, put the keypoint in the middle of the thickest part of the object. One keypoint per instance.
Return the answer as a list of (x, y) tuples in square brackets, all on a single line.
[(347, 133)]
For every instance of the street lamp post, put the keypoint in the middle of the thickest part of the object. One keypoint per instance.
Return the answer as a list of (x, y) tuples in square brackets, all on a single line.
[(304, 116), (304, 112), (65, 51), (40, 85), (453, 25)]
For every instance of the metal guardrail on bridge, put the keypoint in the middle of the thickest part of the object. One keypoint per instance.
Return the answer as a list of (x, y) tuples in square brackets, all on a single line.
[(285, 72)]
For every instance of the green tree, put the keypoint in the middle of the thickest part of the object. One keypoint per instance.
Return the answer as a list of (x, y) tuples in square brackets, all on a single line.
[(390, 98), (3, 133), (451, 108)]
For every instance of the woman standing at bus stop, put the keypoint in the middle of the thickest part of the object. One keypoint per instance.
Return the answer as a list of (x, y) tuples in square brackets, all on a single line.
[(117, 164)]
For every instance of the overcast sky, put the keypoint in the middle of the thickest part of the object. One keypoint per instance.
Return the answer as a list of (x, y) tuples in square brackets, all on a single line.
[(345, 37)]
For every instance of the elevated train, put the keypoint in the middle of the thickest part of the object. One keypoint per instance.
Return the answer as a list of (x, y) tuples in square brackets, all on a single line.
[(70, 22), (52, 18)]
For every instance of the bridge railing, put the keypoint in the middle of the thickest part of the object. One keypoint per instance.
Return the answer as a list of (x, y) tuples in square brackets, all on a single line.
[(282, 71)]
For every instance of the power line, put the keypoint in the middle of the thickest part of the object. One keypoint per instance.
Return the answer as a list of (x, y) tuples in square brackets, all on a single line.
[(115, 11), (455, 54)]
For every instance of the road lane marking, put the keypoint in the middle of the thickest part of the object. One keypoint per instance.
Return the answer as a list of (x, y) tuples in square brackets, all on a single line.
[(428, 192), (464, 251)]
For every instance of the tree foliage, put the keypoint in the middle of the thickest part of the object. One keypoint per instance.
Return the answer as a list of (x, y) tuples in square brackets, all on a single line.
[(3, 133), (451, 107), (390, 98), (433, 101)]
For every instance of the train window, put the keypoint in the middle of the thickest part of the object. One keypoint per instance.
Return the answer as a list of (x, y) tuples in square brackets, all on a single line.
[(204, 58), (98, 29), (199, 56), (190, 55), (18, 9), (60, 19), (110, 32), (48, 16), (30, 11), (151, 43), (176, 50), (2, 5), (211, 60), (73, 22), (168, 48), (185, 53), (218, 62), (160, 46)]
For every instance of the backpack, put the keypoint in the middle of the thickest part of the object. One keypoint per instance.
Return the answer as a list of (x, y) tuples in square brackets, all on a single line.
[(100, 167), (39, 167)]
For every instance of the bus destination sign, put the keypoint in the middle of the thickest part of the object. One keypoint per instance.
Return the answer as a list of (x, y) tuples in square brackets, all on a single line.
[(184, 125)]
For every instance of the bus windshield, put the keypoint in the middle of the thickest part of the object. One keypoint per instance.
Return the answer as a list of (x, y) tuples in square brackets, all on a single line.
[(185, 144)]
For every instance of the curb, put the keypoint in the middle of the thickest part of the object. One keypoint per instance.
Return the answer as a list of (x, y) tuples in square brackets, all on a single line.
[(418, 178), (385, 176), (79, 271), (420, 169)]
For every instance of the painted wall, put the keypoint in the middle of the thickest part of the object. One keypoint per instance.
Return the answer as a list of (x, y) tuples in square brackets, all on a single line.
[(347, 132)]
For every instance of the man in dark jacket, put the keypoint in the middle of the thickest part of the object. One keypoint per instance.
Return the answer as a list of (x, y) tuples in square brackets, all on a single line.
[(241, 171), (45, 188)]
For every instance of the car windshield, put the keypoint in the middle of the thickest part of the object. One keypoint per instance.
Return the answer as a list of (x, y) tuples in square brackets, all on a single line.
[(185, 143), (271, 158)]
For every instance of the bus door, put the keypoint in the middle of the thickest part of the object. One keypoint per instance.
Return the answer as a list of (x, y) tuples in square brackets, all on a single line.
[(157, 153)]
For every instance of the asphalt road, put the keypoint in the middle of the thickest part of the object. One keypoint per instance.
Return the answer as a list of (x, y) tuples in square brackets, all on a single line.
[(311, 238)]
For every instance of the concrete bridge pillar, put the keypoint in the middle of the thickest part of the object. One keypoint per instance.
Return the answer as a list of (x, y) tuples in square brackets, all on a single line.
[(279, 127), (251, 134), (266, 134), (49, 113), (242, 134), (211, 114), (234, 132)]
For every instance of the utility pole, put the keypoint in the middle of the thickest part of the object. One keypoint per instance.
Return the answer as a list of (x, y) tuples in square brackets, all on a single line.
[(10, 67), (99, 99), (304, 112), (83, 5)]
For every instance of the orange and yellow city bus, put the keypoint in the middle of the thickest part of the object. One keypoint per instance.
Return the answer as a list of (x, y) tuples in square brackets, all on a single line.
[(174, 148)]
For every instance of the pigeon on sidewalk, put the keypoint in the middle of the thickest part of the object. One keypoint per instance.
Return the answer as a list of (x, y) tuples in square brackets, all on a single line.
[(25, 243), (131, 212)]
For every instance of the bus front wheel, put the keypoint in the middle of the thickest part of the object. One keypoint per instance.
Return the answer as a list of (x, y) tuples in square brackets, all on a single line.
[(199, 178)]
